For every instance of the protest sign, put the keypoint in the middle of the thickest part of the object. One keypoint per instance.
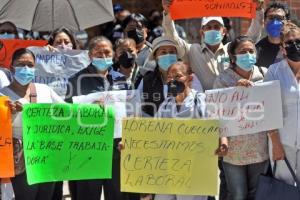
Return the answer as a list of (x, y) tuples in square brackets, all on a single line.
[(67, 142), (8, 47), (184, 9), (6, 142), (244, 110), (170, 156), (127, 103), (54, 68)]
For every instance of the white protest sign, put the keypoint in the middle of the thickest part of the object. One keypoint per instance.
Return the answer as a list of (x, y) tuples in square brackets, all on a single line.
[(244, 110), (127, 103), (54, 68)]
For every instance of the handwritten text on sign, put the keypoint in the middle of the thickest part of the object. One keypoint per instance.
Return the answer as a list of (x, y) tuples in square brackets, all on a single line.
[(184, 9), (126, 102), (6, 142), (246, 110), (169, 156), (54, 68), (67, 142)]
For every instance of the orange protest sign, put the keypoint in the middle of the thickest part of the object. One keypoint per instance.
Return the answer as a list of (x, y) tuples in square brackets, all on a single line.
[(8, 47), (184, 9), (6, 142)]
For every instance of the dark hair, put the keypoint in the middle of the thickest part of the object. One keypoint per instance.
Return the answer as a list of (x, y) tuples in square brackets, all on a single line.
[(234, 45), (279, 5), (12, 26), (139, 18), (117, 8), (94, 41), (63, 30), (19, 53)]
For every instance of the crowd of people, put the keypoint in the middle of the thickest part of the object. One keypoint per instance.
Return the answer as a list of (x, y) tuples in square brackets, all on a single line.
[(171, 75)]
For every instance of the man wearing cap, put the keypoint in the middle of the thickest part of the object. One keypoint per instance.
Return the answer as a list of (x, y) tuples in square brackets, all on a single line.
[(210, 57)]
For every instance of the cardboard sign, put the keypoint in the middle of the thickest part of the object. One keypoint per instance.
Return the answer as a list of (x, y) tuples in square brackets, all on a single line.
[(6, 142), (67, 142), (54, 68), (244, 110), (126, 102), (170, 156)]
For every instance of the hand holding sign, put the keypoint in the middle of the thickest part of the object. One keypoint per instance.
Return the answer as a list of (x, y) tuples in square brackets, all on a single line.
[(244, 83), (14, 106), (222, 150), (67, 142)]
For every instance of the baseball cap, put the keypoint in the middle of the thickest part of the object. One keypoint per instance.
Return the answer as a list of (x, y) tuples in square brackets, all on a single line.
[(117, 8), (205, 20)]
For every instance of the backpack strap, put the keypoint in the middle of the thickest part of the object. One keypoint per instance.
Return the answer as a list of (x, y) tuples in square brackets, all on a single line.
[(196, 102), (261, 71), (33, 95)]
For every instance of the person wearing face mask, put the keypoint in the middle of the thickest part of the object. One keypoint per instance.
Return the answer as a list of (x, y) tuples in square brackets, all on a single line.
[(99, 76), (165, 53), (245, 157), (210, 57), (285, 142), (182, 101), (268, 48), (8, 30), (22, 89), (61, 39), (125, 60), (135, 27)]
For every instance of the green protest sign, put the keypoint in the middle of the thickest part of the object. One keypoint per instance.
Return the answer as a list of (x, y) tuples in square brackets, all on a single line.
[(67, 142)]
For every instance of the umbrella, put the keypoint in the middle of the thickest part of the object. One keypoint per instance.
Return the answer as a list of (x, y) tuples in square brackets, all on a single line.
[(47, 15)]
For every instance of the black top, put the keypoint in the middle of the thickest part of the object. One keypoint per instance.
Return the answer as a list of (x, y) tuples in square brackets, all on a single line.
[(88, 81), (153, 91), (266, 52)]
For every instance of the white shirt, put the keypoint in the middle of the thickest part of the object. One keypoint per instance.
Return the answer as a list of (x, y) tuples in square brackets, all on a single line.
[(193, 106), (44, 95), (290, 94), (3, 79)]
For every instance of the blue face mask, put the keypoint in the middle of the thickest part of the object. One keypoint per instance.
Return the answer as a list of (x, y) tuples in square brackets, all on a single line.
[(7, 36), (273, 28), (165, 61), (102, 64), (246, 61), (213, 37), (24, 75)]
